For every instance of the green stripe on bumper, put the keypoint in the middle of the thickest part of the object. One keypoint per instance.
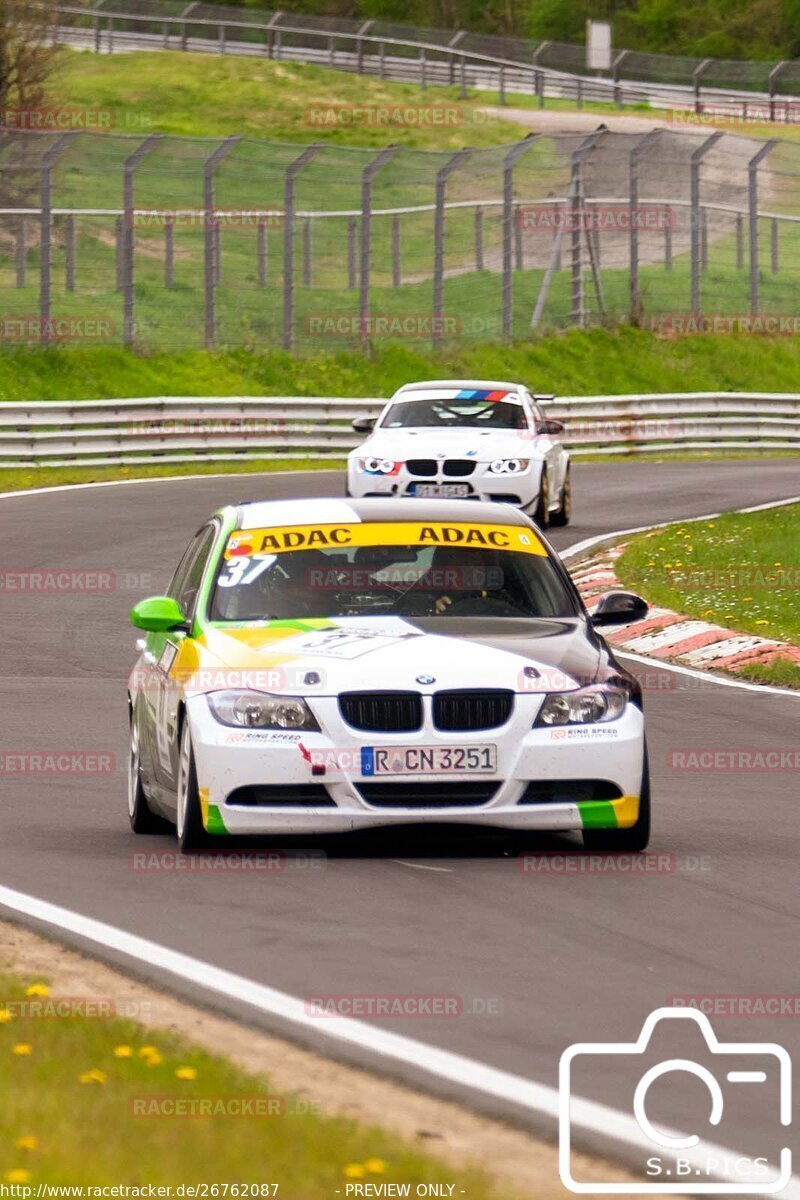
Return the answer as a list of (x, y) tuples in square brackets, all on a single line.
[(214, 822), (597, 814)]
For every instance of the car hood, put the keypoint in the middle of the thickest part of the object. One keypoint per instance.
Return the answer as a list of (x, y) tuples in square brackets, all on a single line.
[(481, 444), (394, 653)]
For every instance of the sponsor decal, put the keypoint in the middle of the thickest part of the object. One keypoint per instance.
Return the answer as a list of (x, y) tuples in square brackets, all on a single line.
[(279, 539), (583, 733)]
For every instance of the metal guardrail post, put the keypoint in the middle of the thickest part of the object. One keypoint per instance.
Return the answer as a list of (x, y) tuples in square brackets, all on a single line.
[(633, 233), (292, 172), (184, 14), (509, 162), (697, 75), (501, 84), (695, 231), (615, 69), (360, 44), (771, 86), (211, 236), (457, 37), (577, 310), (49, 160), (442, 176), (752, 220), (128, 240), (423, 72), (462, 91), (382, 60), (365, 262)]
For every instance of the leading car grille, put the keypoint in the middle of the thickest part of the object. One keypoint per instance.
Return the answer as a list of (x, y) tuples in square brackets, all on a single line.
[(421, 466), (468, 710), (412, 794), (458, 467), (382, 712)]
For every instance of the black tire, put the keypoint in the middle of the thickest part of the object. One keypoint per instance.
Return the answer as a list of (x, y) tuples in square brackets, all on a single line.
[(189, 818), (625, 841), (562, 516), (541, 513), (142, 818)]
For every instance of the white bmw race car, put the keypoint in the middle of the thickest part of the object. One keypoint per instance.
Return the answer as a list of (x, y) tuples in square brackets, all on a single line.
[(329, 665), (465, 439)]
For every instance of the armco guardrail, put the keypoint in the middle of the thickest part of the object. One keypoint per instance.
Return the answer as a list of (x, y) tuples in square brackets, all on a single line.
[(186, 429), (432, 56)]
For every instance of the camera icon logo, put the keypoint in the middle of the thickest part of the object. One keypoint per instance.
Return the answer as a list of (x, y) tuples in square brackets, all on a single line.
[(750, 1077)]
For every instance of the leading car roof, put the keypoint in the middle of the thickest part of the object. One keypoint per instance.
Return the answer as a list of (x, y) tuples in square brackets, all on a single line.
[(332, 510)]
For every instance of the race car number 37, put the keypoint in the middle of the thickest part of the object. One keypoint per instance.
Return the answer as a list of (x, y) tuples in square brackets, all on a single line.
[(428, 760)]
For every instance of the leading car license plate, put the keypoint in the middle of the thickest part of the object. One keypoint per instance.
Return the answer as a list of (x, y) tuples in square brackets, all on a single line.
[(428, 760), (443, 490)]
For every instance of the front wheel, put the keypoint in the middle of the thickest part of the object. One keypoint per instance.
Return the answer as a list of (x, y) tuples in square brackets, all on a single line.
[(189, 818), (541, 513), (625, 841), (562, 515)]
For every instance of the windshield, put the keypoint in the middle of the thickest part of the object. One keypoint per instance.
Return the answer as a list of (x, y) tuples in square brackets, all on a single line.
[(447, 414), (393, 569)]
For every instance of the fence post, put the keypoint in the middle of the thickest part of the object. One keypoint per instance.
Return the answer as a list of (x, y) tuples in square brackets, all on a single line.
[(457, 37), (703, 239), (479, 238), (184, 14), (21, 253), (508, 219), (463, 78), (442, 176), (169, 252), (633, 199), (667, 248), (774, 246), (396, 251), (211, 238), (423, 69), (69, 246), (351, 253), (49, 160), (360, 44), (262, 252), (577, 311), (292, 172), (739, 241), (697, 75), (365, 263), (519, 262), (307, 252), (382, 60), (752, 219), (772, 88), (271, 36), (119, 242), (615, 68), (696, 232), (128, 239), (501, 84)]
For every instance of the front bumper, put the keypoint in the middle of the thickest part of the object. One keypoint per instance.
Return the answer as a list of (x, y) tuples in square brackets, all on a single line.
[(531, 764), (521, 488)]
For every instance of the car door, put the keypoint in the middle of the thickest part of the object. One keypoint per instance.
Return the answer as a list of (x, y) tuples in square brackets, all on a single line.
[(184, 588)]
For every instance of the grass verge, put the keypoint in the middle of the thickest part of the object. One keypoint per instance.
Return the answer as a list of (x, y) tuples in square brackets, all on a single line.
[(91, 1100), (740, 570), (18, 479)]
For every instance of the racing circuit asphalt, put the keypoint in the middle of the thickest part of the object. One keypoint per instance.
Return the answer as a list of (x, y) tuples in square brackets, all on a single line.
[(540, 961)]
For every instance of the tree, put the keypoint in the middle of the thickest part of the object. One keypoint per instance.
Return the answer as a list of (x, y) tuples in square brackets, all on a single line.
[(27, 56)]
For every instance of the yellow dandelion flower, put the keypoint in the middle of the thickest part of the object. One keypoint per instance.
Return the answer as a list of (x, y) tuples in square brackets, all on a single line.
[(123, 1052), (28, 1142), (17, 1175), (6, 1015), (354, 1171), (762, 622), (777, 564), (186, 1073), (145, 1051), (375, 1166), (22, 1048), (37, 989), (93, 1076), (154, 1059)]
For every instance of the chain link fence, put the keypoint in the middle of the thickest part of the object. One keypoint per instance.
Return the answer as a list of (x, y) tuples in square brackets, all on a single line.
[(166, 243)]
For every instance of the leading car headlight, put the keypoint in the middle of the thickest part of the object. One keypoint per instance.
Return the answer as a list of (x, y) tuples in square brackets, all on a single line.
[(379, 466), (586, 706), (508, 466), (256, 710)]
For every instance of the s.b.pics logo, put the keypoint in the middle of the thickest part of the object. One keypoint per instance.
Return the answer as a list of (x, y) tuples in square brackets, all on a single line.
[(685, 1089)]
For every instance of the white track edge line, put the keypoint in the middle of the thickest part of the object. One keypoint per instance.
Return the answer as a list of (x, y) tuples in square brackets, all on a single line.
[(592, 1117)]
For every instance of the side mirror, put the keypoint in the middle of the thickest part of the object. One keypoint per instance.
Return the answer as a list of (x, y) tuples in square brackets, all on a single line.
[(157, 614), (551, 426), (619, 608), (364, 424)]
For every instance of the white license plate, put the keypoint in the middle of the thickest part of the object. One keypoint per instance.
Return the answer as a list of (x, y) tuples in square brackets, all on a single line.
[(443, 490), (429, 760)]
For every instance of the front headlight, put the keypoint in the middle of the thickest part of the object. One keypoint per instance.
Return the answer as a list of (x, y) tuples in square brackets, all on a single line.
[(586, 706), (256, 710), (508, 466), (379, 466)]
